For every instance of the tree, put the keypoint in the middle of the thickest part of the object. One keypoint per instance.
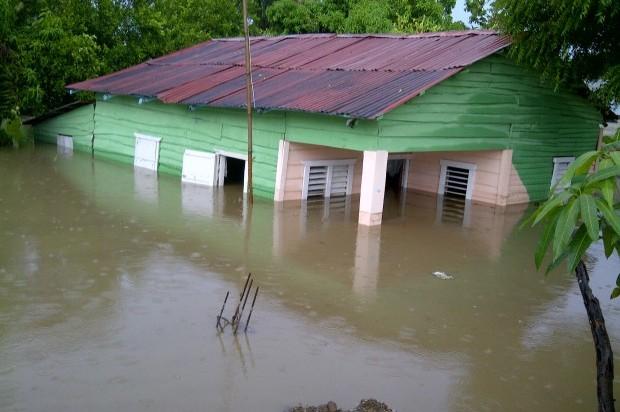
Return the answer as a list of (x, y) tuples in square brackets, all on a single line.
[(579, 212), (360, 16), (573, 43)]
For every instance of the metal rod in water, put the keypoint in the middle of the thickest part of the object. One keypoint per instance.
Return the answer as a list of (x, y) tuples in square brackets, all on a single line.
[(247, 322), (245, 300), (217, 325), (241, 297)]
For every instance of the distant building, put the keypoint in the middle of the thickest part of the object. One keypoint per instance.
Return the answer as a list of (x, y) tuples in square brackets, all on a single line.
[(336, 115)]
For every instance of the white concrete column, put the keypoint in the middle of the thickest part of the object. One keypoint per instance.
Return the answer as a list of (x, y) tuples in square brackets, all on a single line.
[(373, 187), (283, 149)]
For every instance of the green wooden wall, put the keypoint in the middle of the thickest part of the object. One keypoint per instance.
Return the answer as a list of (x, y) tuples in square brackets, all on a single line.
[(78, 123), (205, 129), (495, 104)]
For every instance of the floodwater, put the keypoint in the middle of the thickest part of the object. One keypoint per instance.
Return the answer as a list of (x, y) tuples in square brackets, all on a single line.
[(110, 282)]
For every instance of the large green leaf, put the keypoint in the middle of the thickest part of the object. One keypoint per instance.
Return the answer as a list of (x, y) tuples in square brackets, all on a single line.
[(589, 215), (607, 190), (579, 166), (565, 226), (554, 202), (615, 156), (578, 246), (611, 218), (603, 174), (556, 262), (609, 240), (545, 239)]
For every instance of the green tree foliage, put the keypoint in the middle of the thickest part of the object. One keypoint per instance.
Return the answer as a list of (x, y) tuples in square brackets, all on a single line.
[(581, 209), (573, 43), (360, 16), (46, 44)]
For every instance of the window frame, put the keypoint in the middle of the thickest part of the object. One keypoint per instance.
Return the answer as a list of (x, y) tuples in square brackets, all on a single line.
[(330, 165), (557, 160), (444, 164)]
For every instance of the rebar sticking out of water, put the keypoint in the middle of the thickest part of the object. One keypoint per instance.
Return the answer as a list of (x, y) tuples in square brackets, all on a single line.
[(222, 322), (247, 322), (218, 325), (234, 318), (245, 300)]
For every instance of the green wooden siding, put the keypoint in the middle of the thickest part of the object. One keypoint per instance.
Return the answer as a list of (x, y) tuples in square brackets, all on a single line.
[(205, 129), (78, 123), (495, 104)]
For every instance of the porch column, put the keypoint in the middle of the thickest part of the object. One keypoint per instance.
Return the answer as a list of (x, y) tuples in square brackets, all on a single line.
[(373, 187), (283, 149)]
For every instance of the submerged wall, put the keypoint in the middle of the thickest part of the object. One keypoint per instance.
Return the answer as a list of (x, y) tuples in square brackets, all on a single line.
[(491, 178), (299, 153), (491, 105), (495, 104), (78, 123)]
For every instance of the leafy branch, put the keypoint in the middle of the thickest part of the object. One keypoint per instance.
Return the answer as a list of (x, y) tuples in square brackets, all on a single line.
[(581, 210)]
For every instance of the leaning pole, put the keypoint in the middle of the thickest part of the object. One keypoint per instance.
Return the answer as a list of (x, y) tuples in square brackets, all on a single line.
[(249, 96)]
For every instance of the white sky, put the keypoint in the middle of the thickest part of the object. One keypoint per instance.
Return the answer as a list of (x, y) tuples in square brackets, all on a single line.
[(459, 13)]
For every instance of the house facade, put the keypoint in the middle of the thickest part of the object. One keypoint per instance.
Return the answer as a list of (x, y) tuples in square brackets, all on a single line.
[(445, 113)]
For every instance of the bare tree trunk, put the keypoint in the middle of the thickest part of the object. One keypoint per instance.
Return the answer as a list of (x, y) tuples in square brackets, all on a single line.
[(604, 355)]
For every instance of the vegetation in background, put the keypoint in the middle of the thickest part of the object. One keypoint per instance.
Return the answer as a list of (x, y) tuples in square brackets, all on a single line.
[(47, 44), (573, 43), (581, 211)]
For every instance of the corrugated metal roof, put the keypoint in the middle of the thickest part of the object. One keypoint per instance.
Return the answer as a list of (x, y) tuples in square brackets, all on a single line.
[(360, 76)]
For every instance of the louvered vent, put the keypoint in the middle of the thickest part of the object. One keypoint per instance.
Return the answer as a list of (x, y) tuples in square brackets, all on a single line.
[(339, 180), (457, 181), (327, 179), (317, 181)]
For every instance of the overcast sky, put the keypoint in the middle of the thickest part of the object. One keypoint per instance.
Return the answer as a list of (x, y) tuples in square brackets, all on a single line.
[(459, 13)]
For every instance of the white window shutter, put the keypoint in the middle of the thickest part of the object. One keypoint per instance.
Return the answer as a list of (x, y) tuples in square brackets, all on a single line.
[(560, 165), (339, 181), (317, 181), (327, 178), (64, 143), (146, 153), (199, 168)]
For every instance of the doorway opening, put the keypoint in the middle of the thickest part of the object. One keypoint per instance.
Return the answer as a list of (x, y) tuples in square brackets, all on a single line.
[(231, 170), (396, 175), (234, 170)]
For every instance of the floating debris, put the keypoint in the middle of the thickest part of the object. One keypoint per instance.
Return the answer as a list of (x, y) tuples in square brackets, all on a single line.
[(442, 275)]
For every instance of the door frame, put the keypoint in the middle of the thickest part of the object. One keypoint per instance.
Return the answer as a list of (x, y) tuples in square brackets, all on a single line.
[(404, 180), (219, 179)]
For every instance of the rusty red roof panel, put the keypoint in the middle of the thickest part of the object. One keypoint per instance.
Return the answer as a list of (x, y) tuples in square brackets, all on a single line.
[(351, 75)]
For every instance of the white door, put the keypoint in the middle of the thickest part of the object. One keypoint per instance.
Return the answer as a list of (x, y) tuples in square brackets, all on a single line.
[(64, 143), (199, 168), (146, 153)]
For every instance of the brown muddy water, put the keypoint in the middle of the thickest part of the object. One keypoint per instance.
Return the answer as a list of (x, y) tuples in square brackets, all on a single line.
[(110, 282)]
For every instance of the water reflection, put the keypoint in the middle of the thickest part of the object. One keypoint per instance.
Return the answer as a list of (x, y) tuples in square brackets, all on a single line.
[(146, 185), (367, 256), (109, 286)]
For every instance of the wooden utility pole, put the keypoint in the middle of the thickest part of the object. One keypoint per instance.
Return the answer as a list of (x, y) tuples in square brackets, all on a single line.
[(249, 97)]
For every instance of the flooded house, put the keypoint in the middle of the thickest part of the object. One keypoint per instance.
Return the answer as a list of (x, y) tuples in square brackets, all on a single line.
[(337, 115)]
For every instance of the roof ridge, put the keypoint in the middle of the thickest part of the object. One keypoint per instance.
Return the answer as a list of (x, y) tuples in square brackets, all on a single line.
[(449, 33), (301, 68)]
